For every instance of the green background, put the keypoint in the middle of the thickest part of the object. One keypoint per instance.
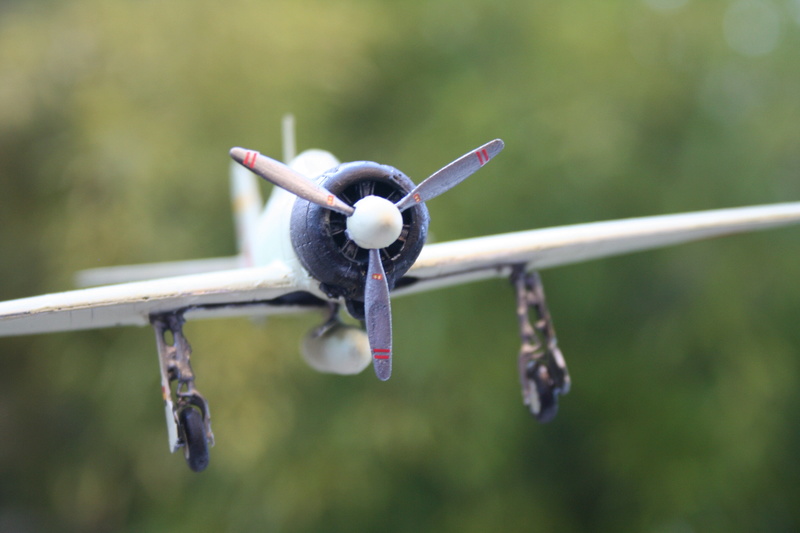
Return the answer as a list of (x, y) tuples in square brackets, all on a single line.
[(115, 122)]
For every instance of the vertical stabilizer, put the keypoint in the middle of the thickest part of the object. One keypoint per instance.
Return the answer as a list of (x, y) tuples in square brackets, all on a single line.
[(263, 235), (289, 143), (247, 206)]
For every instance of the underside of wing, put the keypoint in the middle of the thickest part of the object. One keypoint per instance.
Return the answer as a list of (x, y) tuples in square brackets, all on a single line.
[(248, 291), (455, 262)]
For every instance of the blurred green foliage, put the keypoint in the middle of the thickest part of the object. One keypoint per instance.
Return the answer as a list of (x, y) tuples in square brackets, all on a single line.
[(115, 121)]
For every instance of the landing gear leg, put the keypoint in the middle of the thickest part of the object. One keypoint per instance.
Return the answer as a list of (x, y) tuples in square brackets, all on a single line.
[(188, 417), (542, 369)]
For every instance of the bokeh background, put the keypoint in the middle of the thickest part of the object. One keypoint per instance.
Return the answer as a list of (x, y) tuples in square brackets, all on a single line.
[(115, 122)]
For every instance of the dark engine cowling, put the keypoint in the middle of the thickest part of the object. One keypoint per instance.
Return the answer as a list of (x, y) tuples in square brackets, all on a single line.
[(320, 238)]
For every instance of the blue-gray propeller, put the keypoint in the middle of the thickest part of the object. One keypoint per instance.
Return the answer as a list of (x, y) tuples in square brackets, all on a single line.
[(284, 177), (451, 175), (378, 314), (373, 223)]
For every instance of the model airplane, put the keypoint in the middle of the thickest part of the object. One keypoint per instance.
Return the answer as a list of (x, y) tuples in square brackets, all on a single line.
[(350, 234)]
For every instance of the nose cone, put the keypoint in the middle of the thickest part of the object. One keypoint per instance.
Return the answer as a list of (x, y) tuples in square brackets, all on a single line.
[(376, 223)]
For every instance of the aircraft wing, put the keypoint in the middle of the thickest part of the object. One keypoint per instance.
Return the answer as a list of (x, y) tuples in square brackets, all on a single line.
[(127, 273), (276, 288), (248, 291), (455, 262)]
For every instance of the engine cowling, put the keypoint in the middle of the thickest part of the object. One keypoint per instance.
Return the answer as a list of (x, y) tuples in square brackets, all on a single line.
[(320, 238)]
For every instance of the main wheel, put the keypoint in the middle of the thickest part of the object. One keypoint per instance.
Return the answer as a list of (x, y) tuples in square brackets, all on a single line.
[(540, 380), (195, 448)]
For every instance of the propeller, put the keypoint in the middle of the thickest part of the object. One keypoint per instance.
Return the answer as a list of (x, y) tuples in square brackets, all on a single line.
[(451, 175), (373, 223), (378, 313), (284, 177)]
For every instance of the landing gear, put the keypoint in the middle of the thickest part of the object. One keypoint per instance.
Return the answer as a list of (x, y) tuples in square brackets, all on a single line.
[(542, 369), (187, 414), (192, 429)]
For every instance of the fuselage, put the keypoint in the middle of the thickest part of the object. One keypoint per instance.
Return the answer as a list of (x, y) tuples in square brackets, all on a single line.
[(263, 230)]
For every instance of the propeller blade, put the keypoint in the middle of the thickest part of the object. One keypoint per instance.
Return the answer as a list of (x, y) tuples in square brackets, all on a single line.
[(448, 177), (279, 174), (378, 313)]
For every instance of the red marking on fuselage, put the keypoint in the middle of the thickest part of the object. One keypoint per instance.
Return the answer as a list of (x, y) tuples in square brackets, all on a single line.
[(250, 159)]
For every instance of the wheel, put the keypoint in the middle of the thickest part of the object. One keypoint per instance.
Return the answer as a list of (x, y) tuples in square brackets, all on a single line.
[(540, 380), (195, 447)]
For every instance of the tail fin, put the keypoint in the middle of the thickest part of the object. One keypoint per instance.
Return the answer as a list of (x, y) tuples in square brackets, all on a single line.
[(247, 207), (289, 143)]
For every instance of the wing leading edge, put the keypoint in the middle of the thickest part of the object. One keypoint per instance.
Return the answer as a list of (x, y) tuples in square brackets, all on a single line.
[(454, 262), (131, 304)]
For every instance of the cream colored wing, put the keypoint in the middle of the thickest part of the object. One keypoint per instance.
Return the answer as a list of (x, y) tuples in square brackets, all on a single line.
[(263, 290), (455, 262)]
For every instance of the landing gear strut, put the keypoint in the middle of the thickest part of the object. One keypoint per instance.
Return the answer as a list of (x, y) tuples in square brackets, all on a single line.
[(542, 369), (188, 417)]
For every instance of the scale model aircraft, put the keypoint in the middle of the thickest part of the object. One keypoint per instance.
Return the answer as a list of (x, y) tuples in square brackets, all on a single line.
[(350, 234)]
